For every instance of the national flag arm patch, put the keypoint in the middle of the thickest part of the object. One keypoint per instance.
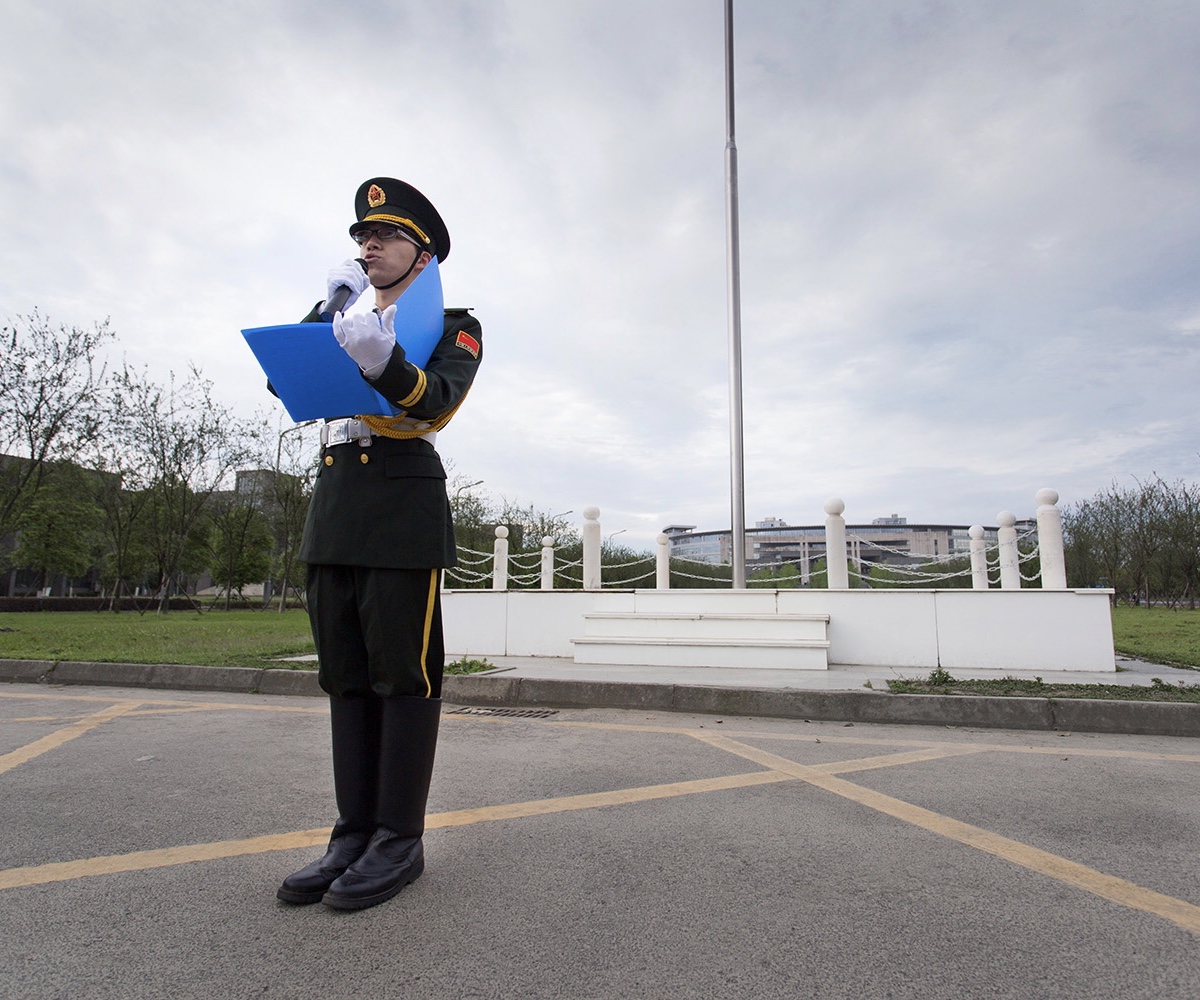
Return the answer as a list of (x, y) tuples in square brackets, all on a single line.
[(467, 343)]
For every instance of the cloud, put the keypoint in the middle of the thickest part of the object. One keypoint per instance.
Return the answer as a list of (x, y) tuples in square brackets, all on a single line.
[(969, 232)]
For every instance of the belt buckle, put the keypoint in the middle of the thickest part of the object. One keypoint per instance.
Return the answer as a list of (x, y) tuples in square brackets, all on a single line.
[(338, 432)]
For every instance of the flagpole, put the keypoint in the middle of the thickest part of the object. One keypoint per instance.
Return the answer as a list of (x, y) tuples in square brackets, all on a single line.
[(737, 474)]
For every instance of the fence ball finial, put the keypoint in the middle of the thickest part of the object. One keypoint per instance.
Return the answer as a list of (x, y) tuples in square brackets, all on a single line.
[(591, 513), (501, 531), (1006, 519), (547, 541), (1046, 496), (834, 505), (975, 531)]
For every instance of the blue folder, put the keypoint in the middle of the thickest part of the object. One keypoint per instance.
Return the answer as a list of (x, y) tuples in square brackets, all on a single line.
[(315, 378)]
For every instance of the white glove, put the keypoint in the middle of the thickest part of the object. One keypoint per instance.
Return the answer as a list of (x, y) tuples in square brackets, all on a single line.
[(368, 338), (351, 275)]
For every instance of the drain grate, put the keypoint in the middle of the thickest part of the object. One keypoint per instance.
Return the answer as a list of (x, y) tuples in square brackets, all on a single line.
[(510, 713)]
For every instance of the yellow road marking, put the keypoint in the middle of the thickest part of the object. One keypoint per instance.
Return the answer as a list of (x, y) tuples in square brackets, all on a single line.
[(1116, 890), (162, 704), (63, 871), (594, 800), (1056, 749), (150, 706), (56, 739), (893, 759)]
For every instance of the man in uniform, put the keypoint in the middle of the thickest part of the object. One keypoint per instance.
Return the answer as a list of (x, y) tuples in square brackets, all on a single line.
[(377, 537)]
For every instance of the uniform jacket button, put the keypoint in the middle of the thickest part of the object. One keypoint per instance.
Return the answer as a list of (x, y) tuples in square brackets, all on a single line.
[(329, 460)]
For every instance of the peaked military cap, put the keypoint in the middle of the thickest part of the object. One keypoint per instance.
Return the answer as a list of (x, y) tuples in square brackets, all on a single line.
[(385, 199)]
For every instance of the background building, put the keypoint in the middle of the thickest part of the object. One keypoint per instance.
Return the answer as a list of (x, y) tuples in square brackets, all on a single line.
[(774, 542)]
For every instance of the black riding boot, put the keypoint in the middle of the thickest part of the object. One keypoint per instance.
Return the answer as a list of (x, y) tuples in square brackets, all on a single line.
[(355, 725), (394, 856)]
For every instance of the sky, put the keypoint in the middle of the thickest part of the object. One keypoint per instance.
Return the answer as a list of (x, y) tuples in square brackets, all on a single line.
[(970, 231)]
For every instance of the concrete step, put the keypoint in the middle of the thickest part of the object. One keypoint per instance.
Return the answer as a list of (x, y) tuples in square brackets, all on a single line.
[(797, 654), (693, 625), (670, 635)]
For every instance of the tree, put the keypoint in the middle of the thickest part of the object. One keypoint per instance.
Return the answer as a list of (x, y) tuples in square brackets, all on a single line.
[(191, 446), (476, 517), (949, 574), (50, 380), (1146, 531), (1182, 514), (58, 529), (1143, 541), (239, 539), (689, 575), (120, 488), (294, 471), (785, 577)]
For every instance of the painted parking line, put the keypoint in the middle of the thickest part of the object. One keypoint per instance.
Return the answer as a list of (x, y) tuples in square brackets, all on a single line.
[(136, 861), (56, 739), (1116, 890), (65, 871), (1054, 750), (151, 706), (778, 769)]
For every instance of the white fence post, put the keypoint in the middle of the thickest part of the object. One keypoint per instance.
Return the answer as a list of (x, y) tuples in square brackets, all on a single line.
[(662, 566), (500, 559), (547, 563), (835, 545), (1010, 556), (979, 569), (1050, 541), (591, 548)]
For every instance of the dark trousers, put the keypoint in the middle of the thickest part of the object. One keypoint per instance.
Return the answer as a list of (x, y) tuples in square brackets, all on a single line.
[(377, 631)]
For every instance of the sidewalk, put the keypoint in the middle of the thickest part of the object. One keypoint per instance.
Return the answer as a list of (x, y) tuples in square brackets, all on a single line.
[(845, 694), (836, 678)]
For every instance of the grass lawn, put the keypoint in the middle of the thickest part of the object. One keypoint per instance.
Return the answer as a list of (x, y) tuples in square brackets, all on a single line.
[(215, 638), (1012, 687), (1158, 635)]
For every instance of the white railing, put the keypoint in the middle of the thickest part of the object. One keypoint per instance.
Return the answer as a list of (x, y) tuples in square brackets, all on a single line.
[(530, 569)]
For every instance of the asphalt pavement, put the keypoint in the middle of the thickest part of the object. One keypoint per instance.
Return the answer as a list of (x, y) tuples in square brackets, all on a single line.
[(594, 853)]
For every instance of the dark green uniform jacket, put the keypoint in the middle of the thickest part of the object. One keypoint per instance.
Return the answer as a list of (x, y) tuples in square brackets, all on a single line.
[(385, 505)]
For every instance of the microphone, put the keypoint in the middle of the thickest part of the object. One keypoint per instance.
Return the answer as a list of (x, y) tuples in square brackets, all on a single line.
[(334, 303)]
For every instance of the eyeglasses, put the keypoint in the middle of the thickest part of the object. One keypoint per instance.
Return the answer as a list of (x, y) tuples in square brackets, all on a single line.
[(383, 233)]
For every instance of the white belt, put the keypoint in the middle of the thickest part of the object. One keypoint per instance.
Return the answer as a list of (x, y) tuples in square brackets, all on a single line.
[(349, 429)]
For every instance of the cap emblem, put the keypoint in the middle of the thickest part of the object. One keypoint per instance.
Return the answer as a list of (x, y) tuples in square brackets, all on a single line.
[(375, 196)]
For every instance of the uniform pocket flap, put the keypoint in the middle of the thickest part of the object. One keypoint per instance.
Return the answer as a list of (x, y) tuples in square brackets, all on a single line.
[(414, 467)]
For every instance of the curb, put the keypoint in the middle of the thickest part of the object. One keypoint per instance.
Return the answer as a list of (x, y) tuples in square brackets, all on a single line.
[(162, 676), (1151, 718)]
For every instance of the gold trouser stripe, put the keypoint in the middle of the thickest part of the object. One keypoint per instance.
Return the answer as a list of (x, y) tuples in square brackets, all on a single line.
[(429, 605), (1116, 890), (54, 740)]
